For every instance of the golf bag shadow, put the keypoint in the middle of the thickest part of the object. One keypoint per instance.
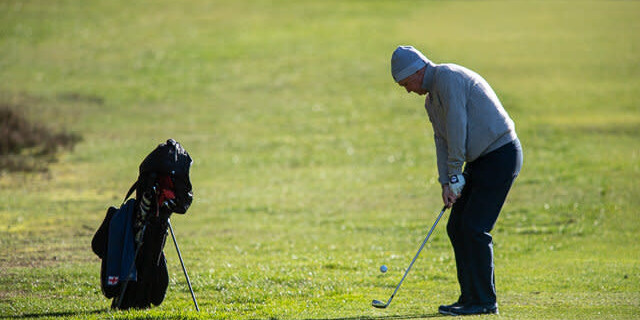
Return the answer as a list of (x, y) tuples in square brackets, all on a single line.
[(131, 239)]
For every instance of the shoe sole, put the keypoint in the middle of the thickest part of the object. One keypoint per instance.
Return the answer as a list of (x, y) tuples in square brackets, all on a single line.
[(447, 312), (451, 313)]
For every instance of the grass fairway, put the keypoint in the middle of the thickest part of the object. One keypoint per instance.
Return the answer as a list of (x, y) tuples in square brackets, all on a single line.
[(312, 168)]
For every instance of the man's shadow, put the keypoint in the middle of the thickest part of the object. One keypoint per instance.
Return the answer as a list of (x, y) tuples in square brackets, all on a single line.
[(62, 314), (80, 313), (389, 317)]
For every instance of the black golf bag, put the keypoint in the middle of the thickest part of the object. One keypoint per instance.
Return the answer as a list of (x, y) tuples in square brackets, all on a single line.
[(130, 240)]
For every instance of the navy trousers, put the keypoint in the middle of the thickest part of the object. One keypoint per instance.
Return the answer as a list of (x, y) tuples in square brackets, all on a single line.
[(488, 180)]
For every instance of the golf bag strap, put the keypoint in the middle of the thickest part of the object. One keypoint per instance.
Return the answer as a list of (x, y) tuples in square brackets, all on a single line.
[(131, 190)]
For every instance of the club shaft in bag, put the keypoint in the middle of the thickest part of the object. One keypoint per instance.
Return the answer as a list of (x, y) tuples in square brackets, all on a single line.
[(193, 296), (377, 303)]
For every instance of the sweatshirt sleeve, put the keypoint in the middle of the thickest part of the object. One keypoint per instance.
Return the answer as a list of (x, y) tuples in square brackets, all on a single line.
[(454, 101), (439, 137), (441, 156)]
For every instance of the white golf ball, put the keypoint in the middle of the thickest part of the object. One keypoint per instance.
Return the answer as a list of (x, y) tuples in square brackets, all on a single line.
[(383, 268)]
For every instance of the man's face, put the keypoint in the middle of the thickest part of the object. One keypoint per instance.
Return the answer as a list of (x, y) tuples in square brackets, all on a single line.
[(413, 83)]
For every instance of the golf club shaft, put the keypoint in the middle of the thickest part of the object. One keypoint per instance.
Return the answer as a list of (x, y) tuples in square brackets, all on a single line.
[(193, 296), (417, 254)]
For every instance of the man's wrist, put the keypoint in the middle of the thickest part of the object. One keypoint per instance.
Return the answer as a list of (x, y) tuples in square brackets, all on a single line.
[(456, 183), (455, 178)]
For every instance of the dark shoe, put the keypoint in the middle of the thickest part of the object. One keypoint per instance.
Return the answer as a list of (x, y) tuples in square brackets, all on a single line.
[(474, 309), (446, 309)]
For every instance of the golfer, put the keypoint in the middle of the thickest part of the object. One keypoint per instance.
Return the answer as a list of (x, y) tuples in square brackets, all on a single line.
[(478, 158)]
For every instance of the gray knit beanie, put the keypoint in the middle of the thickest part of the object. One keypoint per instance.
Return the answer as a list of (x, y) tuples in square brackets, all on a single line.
[(405, 61)]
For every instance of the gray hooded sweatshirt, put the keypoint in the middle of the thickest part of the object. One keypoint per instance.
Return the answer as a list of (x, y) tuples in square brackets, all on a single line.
[(468, 119)]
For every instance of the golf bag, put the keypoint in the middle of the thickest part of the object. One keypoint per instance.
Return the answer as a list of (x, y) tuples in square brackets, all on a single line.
[(130, 240)]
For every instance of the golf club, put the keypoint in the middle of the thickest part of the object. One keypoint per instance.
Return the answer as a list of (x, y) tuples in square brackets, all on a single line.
[(381, 305), (193, 296)]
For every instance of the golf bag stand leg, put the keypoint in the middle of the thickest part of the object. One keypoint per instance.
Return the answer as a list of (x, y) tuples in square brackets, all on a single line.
[(193, 296)]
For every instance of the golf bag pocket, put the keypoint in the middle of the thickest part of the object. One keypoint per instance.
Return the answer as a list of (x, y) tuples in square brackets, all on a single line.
[(99, 241), (114, 244)]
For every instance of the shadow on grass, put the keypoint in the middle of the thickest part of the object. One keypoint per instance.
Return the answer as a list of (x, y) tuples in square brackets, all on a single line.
[(416, 316), (63, 314), (80, 313)]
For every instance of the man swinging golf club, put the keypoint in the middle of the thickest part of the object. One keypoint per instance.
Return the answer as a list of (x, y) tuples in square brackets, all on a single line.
[(471, 128)]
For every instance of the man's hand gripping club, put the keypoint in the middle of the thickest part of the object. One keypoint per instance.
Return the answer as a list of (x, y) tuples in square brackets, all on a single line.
[(451, 191)]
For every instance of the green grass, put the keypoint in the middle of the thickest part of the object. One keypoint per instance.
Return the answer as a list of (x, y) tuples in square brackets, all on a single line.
[(312, 168)]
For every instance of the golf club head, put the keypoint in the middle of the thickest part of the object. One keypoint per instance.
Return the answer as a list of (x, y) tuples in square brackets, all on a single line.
[(379, 304)]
